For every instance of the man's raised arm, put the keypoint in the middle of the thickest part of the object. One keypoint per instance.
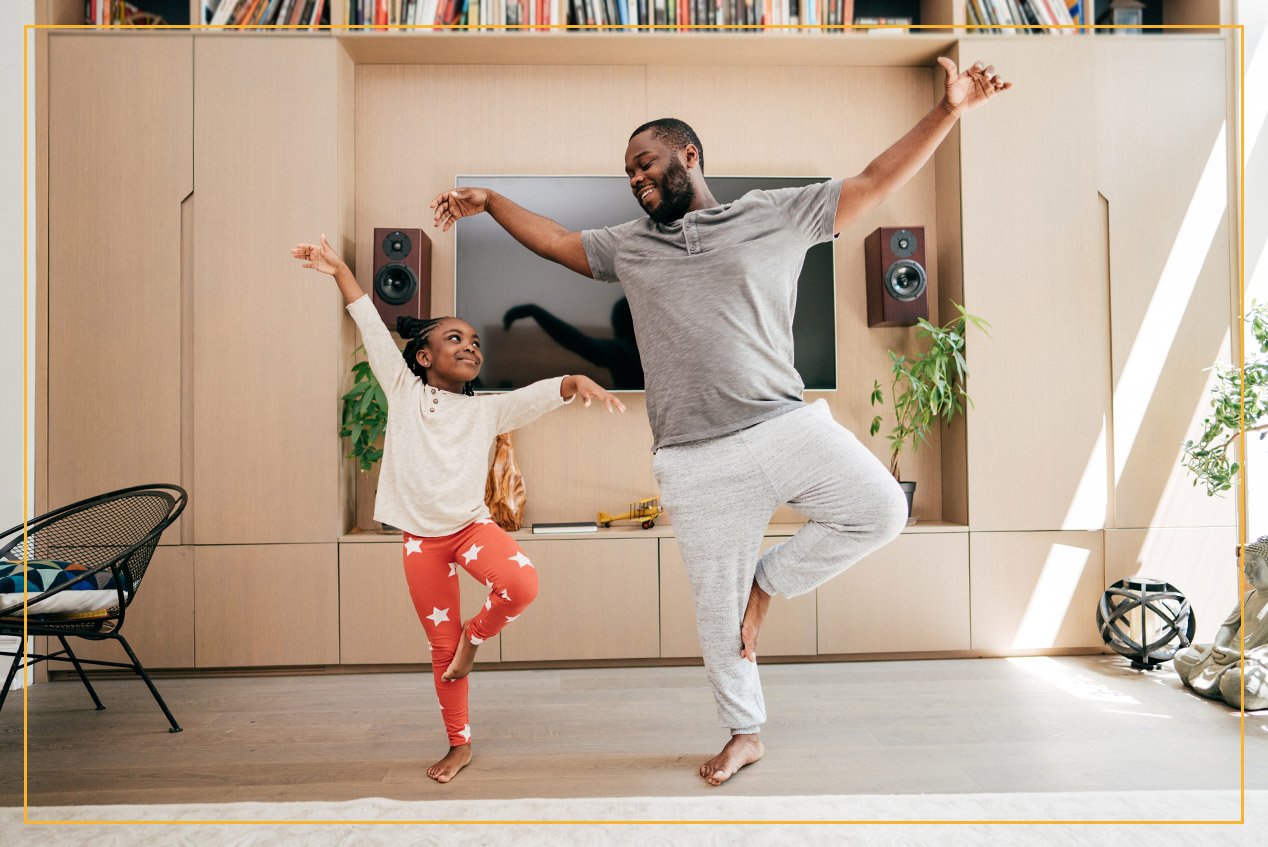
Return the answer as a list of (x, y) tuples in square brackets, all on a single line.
[(890, 170), (543, 236)]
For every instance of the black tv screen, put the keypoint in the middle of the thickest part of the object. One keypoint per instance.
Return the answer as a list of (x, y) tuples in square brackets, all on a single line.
[(561, 322)]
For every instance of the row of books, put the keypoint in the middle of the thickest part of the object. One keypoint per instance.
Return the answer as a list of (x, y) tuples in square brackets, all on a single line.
[(1022, 16), (296, 13), (107, 12), (632, 14)]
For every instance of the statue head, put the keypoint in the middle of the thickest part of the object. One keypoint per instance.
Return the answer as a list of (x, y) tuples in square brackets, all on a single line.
[(1256, 562)]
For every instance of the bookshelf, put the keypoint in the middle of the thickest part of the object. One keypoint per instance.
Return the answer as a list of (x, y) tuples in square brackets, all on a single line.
[(936, 13)]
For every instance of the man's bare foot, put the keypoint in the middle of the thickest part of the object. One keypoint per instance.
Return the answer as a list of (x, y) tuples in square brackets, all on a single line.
[(754, 615), (455, 760), (741, 750), (463, 657)]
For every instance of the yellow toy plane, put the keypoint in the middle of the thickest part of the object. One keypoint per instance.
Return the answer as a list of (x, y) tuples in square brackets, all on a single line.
[(645, 510)]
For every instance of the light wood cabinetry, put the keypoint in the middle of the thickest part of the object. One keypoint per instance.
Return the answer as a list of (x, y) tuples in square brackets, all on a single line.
[(596, 600), (910, 596), (1035, 592), (159, 624), (120, 163), (377, 620), (266, 458), (266, 605), (789, 629)]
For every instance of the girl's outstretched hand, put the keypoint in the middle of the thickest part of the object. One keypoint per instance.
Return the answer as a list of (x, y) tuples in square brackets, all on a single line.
[(320, 257), (588, 390)]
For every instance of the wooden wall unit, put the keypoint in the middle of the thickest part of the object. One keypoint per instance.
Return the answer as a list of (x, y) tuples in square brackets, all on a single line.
[(1035, 592), (1172, 257), (267, 174), (910, 596), (159, 624), (1058, 251), (114, 272), (265, 605)]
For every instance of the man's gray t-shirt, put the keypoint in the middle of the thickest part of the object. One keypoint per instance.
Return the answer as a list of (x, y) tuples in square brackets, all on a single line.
[(713, 297)]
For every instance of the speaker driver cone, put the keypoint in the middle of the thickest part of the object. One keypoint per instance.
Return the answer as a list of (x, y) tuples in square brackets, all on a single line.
[(395, 284), (396, 245), (905, 280)]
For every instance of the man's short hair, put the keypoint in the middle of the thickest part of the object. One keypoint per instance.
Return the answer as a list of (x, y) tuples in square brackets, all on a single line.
[(675, 133)]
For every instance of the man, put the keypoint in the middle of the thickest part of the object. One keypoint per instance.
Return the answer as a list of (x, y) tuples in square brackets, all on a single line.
[(712, 289)]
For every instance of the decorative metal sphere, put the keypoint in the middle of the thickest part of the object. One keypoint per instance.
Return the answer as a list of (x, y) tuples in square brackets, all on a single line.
[(1155, 610)]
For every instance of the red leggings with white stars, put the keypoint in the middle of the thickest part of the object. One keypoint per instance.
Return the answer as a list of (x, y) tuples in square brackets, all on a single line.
[(486, 552)]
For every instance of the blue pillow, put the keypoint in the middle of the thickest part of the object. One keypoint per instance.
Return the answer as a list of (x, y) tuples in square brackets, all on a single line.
[(40, 575)]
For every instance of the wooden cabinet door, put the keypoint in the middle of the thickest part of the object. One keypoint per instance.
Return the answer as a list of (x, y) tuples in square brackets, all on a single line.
[(789, 629), (596, 600), (910, 596), (377, 620), (120, 154), (266, 605), (159, 623), (266, 451)]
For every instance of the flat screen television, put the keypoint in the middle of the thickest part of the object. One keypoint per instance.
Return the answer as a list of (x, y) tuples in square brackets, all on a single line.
[(553, 312)]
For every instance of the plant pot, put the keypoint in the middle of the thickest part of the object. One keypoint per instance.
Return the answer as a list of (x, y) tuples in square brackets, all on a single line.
[(909, 490)]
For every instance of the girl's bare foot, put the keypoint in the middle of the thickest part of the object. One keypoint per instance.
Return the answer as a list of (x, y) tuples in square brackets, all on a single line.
[(455, 760), (754, 615), (463, 657), (741, 750)]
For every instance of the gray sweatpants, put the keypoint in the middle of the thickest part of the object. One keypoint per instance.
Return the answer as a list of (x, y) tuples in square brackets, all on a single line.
[(720, 494)]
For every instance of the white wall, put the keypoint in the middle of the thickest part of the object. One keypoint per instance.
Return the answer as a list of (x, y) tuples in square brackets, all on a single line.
[(1254, 15), (14, 14)]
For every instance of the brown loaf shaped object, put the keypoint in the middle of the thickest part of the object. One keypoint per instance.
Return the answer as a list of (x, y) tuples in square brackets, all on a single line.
[(504, 489)]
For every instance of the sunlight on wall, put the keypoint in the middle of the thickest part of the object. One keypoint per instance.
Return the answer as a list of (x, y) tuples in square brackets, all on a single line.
[(1088, 506), (1070, 680), (1175, 286), (1050, 600)]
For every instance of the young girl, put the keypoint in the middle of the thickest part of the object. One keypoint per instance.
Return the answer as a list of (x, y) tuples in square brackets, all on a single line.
[(431, 483)]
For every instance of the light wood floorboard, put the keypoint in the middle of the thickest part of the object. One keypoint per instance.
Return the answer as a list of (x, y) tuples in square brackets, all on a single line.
[(949, 726)]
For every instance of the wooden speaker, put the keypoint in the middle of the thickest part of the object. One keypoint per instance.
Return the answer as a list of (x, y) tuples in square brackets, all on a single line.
[(402, 274), (896, 280)]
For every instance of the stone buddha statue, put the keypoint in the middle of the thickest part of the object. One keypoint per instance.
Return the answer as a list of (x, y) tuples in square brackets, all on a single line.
[(1212, 670)]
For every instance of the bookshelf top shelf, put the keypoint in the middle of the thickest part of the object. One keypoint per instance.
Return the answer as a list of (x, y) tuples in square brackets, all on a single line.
[(603, 48)]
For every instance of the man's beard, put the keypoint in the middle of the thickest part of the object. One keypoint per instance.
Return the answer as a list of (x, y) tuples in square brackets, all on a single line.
[(676, 194)]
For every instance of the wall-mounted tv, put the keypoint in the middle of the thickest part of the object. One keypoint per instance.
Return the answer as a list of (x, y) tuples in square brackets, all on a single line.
[(537, 319)]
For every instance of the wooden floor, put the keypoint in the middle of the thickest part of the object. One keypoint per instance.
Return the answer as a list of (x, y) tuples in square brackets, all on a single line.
[(949, 726)]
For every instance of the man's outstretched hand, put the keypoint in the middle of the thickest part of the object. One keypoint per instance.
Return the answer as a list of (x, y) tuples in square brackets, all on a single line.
[(972, 88), (458, 203)]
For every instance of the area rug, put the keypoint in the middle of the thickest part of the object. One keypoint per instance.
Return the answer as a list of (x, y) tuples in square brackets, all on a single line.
[(666, 820)]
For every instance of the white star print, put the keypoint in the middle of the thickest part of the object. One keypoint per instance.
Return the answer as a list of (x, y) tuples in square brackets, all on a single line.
[(438, 616), (488, 583), (522, 559), (414, 545), (512, 618), (453, 568), (466, 732), (488, 604), (476, 641), (505, 596), (472, 553)]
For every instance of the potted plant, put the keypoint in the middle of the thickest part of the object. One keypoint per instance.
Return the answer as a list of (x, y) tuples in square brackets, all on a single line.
[(1239, 399), (364, 416), (924, 387)]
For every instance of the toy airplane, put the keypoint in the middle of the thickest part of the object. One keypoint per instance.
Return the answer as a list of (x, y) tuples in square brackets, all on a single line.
[(645, 510)]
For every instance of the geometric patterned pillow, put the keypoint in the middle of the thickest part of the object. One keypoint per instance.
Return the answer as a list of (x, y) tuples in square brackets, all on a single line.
[(40, 575)]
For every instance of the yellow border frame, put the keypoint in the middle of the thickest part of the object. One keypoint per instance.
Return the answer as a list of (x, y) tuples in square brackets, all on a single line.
[(969, 30)]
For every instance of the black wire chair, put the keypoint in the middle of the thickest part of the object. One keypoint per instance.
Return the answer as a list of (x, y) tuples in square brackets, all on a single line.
[(115, 532)]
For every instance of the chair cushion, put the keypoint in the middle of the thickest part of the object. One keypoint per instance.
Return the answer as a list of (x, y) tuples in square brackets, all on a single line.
[(37, 576)]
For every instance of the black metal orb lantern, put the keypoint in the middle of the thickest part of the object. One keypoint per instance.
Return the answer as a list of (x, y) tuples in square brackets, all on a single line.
[(1146, 620)]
